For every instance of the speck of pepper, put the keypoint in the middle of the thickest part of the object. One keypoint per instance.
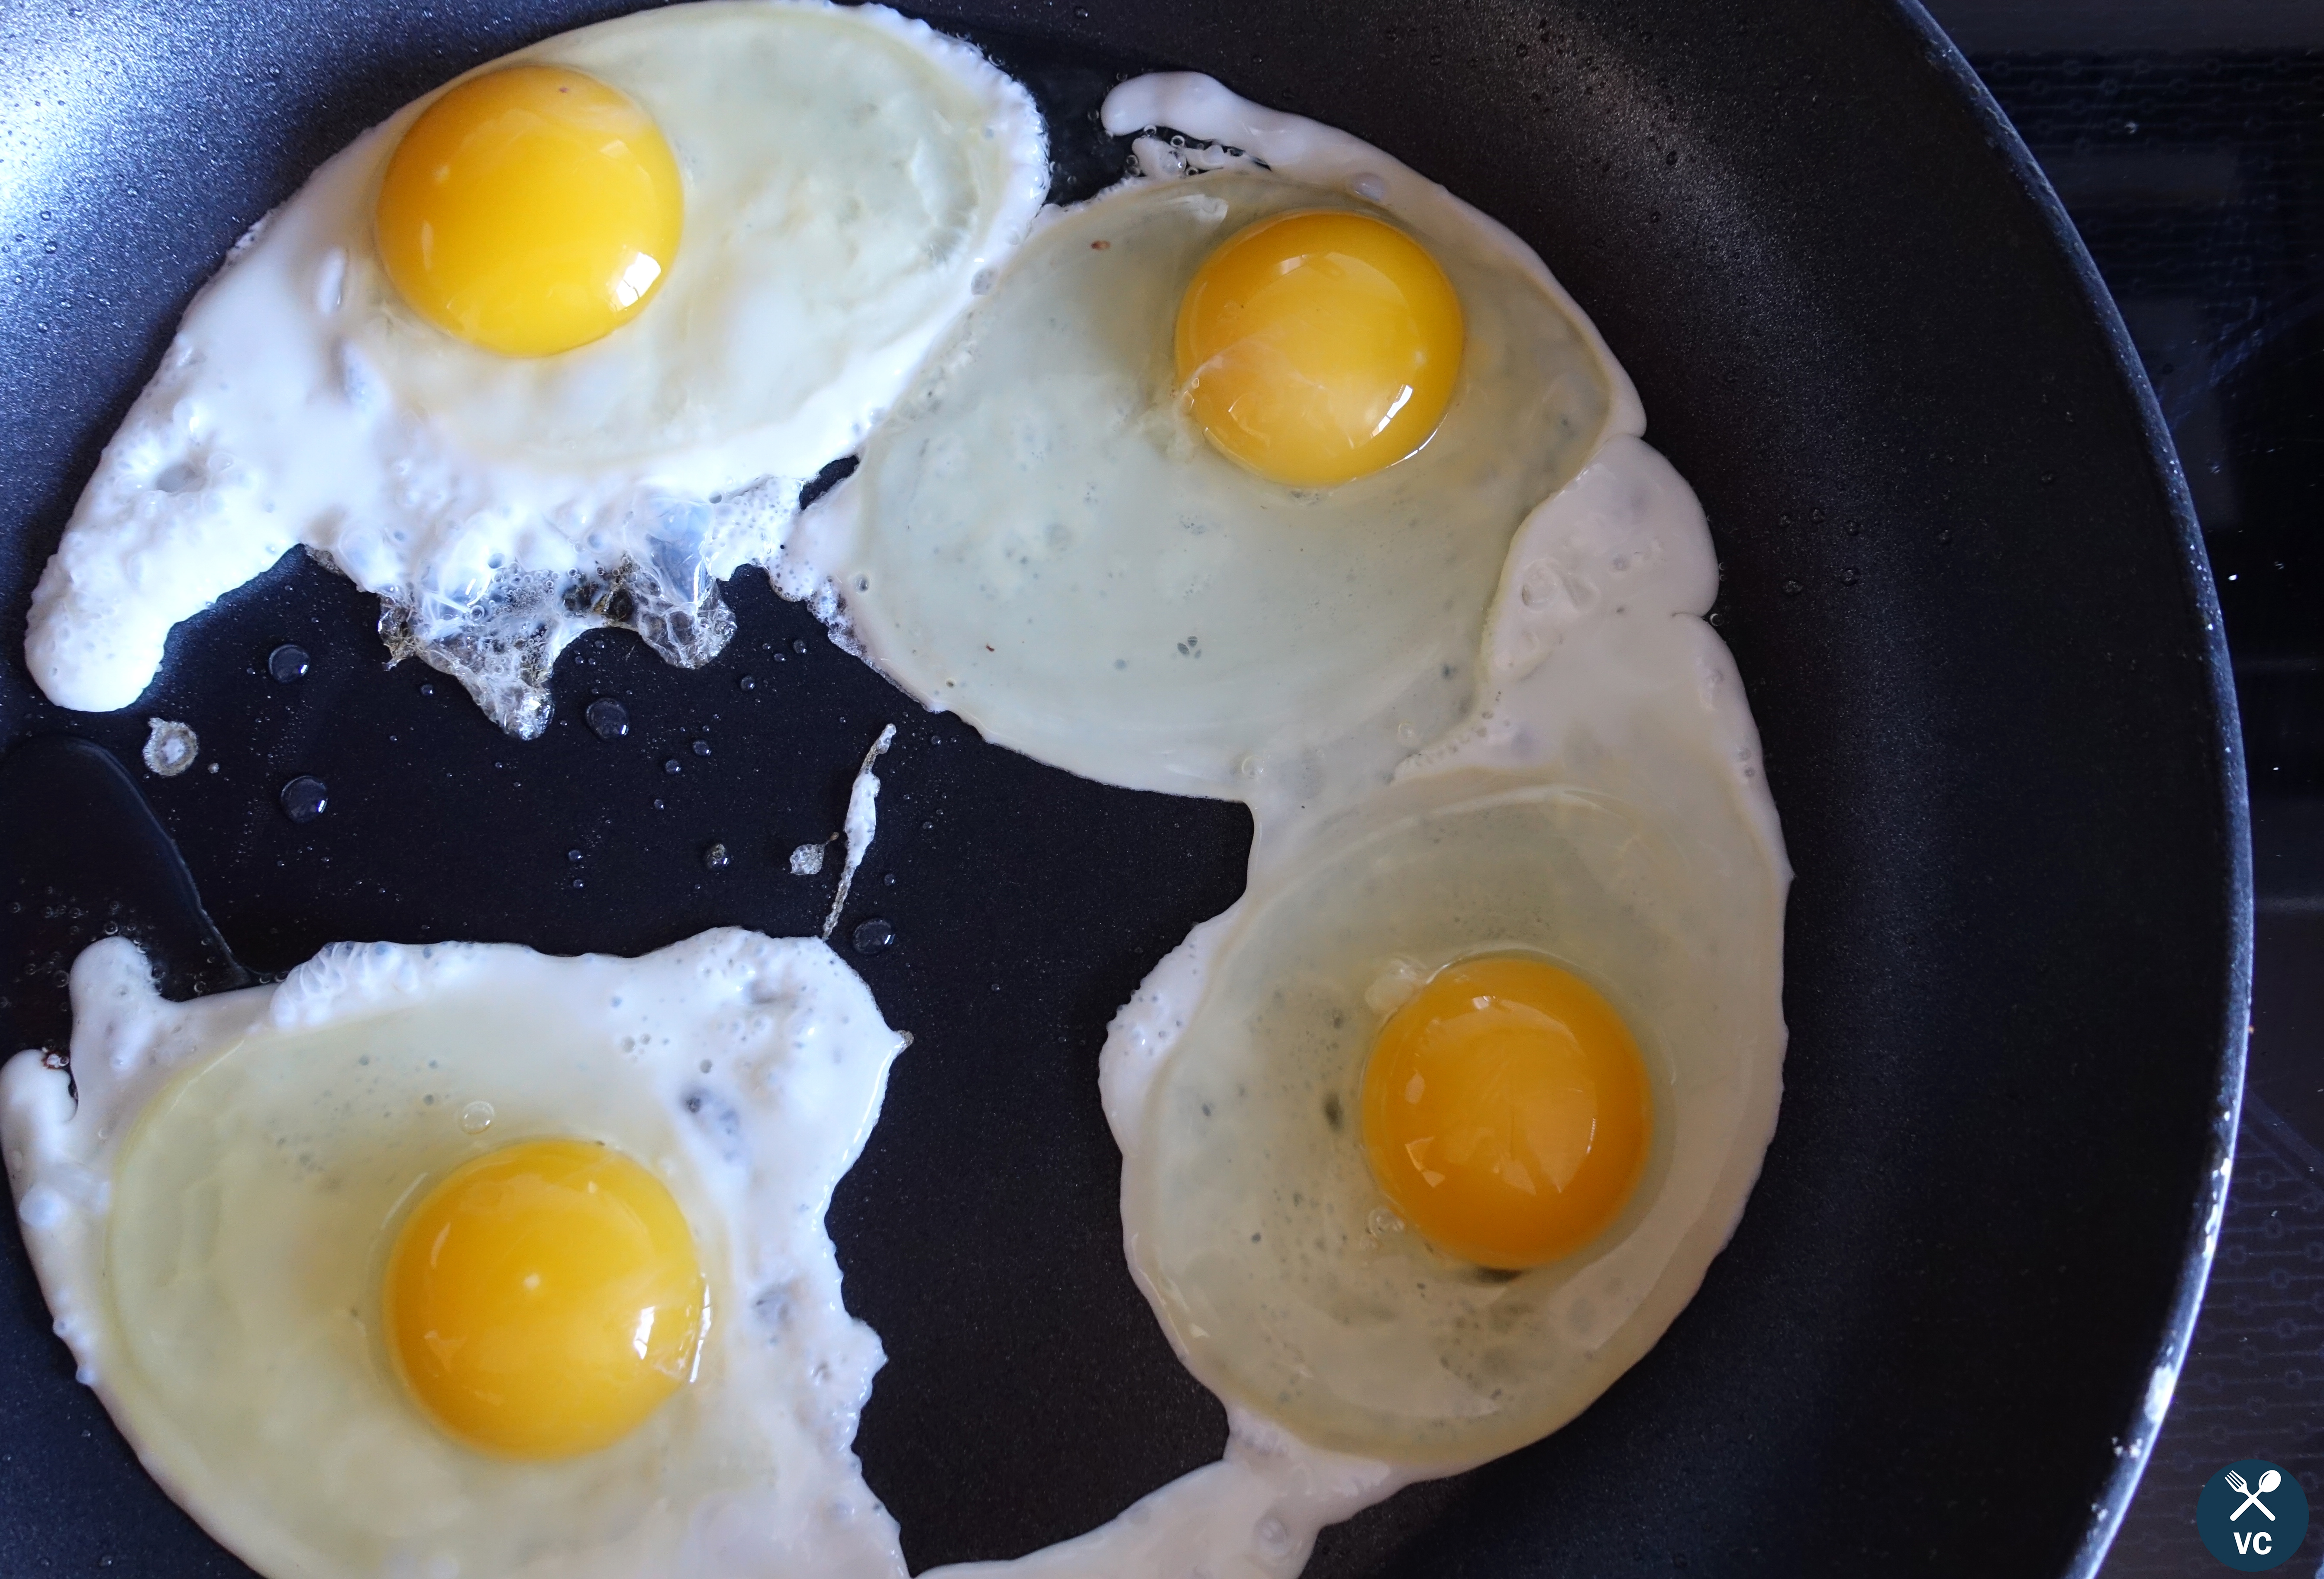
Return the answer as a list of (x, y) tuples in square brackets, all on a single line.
[(873, 936)]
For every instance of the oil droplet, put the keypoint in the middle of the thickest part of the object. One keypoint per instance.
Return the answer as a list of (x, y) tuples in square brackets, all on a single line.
[(287, 663), (607, 718), (305, 798), (715, 858), (873, 936), (476, 1117)]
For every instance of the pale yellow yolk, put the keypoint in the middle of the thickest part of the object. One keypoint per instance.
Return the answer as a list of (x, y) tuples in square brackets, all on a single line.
[(544, 1299), (530, 210), (1506, 1112), (1318, 347)]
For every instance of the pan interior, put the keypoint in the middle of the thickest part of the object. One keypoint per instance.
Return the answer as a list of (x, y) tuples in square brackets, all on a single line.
[(1958, 579)]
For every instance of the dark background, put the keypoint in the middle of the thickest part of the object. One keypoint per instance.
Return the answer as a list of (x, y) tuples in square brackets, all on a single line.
[(2186, 138)]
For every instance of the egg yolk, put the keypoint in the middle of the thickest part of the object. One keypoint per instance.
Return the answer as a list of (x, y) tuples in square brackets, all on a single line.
[(530, 210), (1319, 347), (1506, 1112), (544, 1299)]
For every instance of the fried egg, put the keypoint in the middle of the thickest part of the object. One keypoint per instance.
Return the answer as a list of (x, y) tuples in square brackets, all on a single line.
[(1434, 1133), (557, 345), (1600, 822), (1364, 1206), (461, 1260), (1210, 494)]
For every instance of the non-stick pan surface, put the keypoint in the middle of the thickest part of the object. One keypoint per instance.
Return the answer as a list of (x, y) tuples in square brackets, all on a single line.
[(1960, 577)]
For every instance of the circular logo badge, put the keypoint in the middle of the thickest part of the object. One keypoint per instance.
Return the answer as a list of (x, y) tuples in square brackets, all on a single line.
[(2251, 1516)]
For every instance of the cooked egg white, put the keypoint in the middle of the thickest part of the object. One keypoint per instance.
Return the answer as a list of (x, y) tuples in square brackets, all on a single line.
[(1043, 538), (213, 1219), (846, 176)]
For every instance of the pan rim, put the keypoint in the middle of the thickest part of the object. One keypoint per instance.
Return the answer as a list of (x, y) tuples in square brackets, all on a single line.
[(2135, 1446)]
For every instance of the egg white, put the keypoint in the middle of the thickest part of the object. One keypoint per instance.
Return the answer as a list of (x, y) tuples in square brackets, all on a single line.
[(849, 176), (209, 1217), (1040, 540)]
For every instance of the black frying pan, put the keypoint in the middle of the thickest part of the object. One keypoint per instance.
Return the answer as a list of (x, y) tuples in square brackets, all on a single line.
[(1961, 580)]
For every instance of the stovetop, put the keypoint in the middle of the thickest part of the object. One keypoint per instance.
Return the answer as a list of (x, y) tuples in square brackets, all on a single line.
[(2186, 138)]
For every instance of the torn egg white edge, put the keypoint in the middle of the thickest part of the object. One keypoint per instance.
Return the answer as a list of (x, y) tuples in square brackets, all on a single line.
[(137, 558), (858, 826), (60, 1134), (1288, 145)]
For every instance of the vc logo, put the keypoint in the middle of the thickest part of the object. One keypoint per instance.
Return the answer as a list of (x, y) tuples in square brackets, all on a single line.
[(2251, 1516)]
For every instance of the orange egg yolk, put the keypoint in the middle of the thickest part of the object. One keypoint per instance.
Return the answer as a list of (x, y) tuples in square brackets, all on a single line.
[(530, 210), (1319, 347), (544, 1299), (1506, 1112)]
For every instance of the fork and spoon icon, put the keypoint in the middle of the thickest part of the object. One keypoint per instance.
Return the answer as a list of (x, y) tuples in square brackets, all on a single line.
[(2251, 1495)]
